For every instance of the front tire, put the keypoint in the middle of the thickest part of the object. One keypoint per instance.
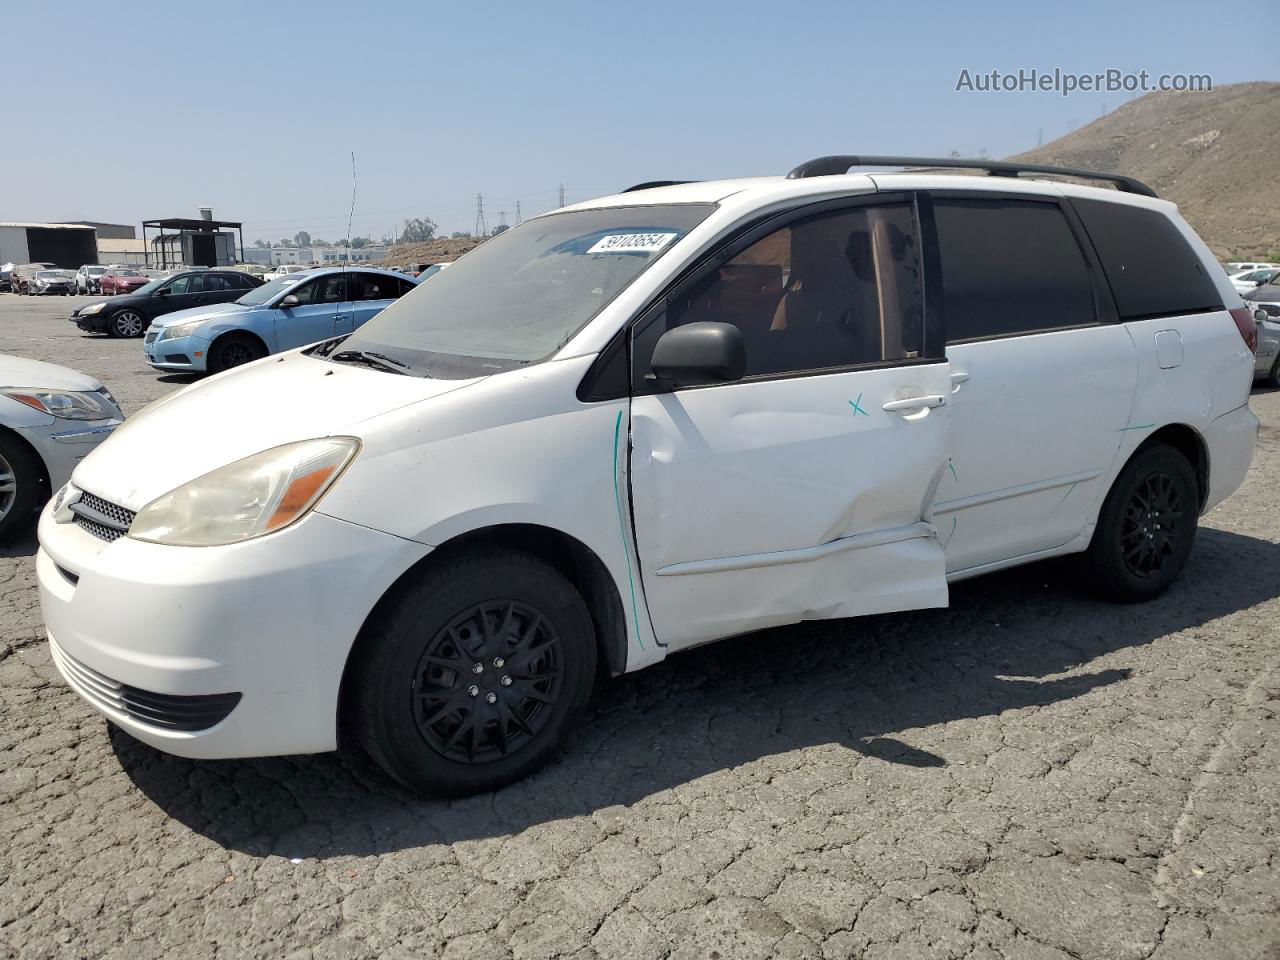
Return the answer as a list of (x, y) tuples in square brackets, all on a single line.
[(23, 488), (126, 323), (1273, 378), (473, 675), (1146, 527), (234, 350)]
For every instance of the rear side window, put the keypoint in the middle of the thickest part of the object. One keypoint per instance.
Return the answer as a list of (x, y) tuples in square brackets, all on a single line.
[(374, 286), (1152, 270), (835, 290), (1009, 267)]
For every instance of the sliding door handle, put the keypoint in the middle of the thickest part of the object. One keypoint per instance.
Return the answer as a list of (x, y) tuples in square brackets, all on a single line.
[(914, 403)]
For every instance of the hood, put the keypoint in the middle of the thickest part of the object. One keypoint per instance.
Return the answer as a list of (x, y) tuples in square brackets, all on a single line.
[(1268, 293), (200, 313), (18, 372), (218, 421)]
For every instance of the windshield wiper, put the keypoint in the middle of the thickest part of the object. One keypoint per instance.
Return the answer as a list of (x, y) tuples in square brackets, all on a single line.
[(379, 361)]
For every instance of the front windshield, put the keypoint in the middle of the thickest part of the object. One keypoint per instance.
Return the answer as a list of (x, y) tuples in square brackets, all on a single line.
[(96, 271), (127, 273), (50, 275), (260, 295), (520, 296)]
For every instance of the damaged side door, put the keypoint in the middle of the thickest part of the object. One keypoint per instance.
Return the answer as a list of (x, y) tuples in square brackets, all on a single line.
[(803, 490)]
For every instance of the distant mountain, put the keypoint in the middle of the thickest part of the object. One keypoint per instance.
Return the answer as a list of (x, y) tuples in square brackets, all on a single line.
[(1216, 155)]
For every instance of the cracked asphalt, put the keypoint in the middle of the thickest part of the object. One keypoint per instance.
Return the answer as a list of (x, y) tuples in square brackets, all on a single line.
[(1028, 775)]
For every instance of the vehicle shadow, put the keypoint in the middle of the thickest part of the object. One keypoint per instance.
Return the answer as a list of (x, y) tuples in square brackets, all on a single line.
[(1002, 645), (180, 378), (24, 546)]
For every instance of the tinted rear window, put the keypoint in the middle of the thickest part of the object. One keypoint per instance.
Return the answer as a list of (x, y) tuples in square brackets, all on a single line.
[(1009, 267), (1152, 270)]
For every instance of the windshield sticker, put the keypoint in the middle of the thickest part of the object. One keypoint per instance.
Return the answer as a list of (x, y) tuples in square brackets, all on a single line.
[(632, 243)]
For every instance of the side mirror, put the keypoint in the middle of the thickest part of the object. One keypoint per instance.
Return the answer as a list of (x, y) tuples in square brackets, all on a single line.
[(163, 292), (699, 353), (287, 302), (1259, 315)]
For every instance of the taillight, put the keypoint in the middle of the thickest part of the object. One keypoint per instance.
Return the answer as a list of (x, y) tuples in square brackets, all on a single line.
[(1247, 326)]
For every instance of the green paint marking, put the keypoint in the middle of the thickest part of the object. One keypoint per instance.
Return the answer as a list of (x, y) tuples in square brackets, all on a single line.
[(857, 406), (1140, 426), (952, 467), (622, 528)]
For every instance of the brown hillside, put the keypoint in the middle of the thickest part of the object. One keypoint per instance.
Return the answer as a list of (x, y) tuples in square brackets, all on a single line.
[(435, 251), (1215, 154)]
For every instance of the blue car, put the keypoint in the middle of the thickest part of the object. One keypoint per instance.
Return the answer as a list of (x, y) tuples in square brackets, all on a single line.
[(290, 311)]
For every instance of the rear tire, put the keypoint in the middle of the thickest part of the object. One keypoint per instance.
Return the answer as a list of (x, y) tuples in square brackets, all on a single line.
[(23, 488), (1146, 527), (474, 674), (234, 350), (1273, 378)]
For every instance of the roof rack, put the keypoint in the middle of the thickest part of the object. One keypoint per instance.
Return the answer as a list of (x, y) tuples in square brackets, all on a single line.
[(652, 184), (832, 166)]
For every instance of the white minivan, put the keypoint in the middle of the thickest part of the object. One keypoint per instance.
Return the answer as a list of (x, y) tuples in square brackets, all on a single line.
[(643, 423)]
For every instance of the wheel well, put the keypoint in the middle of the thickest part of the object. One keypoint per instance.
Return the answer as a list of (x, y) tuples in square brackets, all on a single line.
[(576, 561), (1187, 441), (19, 438), (246, 334)]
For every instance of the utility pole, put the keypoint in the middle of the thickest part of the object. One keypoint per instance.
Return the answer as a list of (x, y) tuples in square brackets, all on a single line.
[(502, 218), (519, 219), (562, 194), (482, 229)]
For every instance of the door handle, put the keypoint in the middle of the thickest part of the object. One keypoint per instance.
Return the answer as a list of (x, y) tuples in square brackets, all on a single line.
[(958, 380), (914, 403)]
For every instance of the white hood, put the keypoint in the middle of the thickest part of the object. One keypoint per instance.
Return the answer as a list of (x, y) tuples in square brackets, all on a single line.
[(17, 372), (223, 419)]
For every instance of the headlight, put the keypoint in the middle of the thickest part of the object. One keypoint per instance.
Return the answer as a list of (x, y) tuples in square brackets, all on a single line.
[(249, 498), (91, 309), (178, 330), (67, 405)]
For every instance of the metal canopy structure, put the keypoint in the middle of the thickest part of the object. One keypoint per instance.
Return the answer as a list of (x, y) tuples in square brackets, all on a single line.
[(181, 225)]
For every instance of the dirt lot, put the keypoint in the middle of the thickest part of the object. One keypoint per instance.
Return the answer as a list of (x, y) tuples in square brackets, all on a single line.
[(1029, 775)]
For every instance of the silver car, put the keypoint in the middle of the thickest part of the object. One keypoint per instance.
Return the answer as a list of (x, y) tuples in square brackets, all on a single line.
[(1265, 304), (51, 417)]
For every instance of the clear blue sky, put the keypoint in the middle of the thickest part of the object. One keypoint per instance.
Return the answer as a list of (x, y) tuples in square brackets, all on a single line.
[(151, 110)]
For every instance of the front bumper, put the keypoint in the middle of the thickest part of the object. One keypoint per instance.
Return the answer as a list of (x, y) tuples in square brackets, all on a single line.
[(180, 354), (94, 323), (271, 620)]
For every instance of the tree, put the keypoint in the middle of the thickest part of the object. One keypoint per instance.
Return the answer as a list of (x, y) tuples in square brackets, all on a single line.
[(286, 242), (500, 228), (321, 243), (358, 242), (260, 243), (341, 242), (418, 230), (460, 235), (302, 238)]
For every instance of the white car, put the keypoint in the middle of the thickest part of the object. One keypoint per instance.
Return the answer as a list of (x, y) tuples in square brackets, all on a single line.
[(639, 424), (285, 269), (1252, 279), (50, 418), (1244, 266)]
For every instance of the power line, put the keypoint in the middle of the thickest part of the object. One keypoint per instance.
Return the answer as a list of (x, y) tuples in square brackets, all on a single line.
[(482, 229)]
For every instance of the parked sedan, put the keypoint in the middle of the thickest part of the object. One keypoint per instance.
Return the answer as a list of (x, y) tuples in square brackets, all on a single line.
[(121, 280), (50, 419), (290, 311), (1265, 304), (87, 278), (61, 282), (1244, 282), (129, 314)]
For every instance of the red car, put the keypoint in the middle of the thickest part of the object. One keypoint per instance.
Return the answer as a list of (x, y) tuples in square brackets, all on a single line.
[(122, 280)]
